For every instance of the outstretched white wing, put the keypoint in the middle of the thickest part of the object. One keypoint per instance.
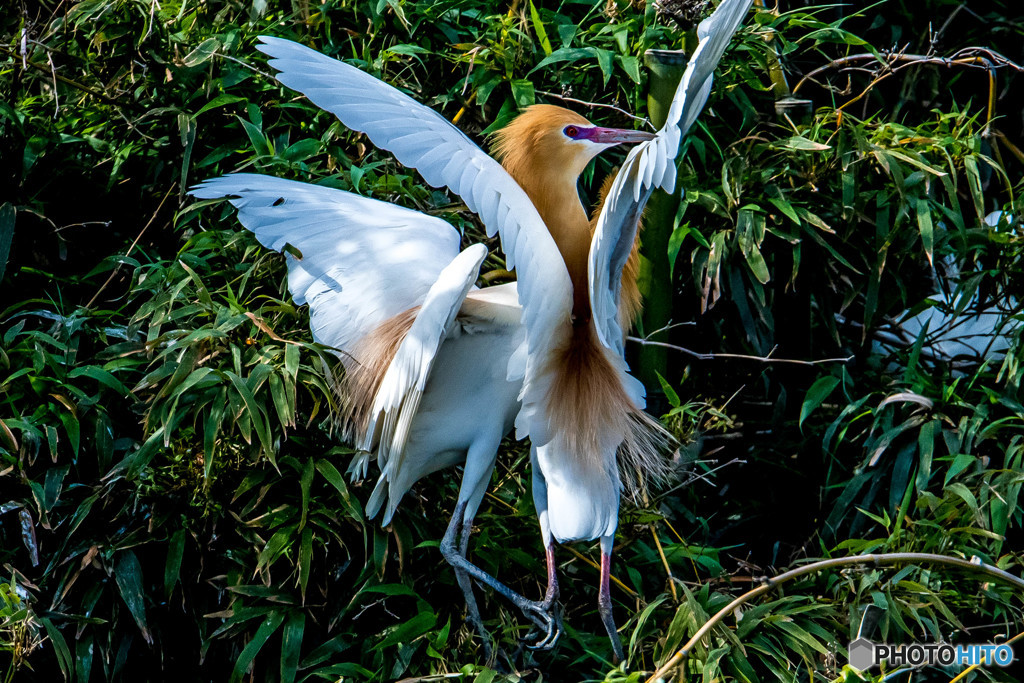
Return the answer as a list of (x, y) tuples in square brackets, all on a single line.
[(649, 165), (398, 398), (363, 261), (421, 138)]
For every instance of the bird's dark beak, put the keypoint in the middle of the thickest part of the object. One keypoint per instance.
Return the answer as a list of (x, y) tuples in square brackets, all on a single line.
[(617, 136)]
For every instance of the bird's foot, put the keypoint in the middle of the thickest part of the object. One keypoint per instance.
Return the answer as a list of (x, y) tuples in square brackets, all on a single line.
[(547, 619)]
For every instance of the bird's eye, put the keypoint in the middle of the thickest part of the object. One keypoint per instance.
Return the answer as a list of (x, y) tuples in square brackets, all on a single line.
[(571, 131)]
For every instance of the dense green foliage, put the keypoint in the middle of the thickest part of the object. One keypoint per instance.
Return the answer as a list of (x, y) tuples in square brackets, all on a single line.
[(172, 493)]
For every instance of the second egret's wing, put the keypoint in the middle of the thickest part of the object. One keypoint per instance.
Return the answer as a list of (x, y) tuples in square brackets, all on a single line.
[(649, 165), (355, 261), (421, 138), (398, 398)]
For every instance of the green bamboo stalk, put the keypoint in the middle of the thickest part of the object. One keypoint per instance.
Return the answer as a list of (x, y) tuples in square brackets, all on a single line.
[(787, 108), (666, 68)]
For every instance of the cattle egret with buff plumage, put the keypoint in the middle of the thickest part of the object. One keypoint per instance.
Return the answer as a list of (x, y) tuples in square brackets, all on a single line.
[(437, 371)]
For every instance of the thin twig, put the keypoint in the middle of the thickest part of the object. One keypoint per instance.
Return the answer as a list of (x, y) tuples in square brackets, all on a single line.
[(963, 674), (664, 562), (702, 476), (56, 96), (966, 57), (64, 79), (666, 328), (117, 268), (597, 104), (632, 593), (737, 356), (949, 20), (247, 65), (974, 564)]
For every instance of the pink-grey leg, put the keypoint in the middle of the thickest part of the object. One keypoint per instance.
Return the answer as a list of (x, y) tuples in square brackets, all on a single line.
[(604, 598), (550, 604), (551, 594), (547, 637)]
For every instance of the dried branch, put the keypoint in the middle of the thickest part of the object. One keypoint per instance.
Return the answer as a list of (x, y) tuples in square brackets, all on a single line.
[(63, 79), (968, 56), (597, 104), (702, 476), (971, 57), (974, 564), (664, 562), (738, 356), (117, 268)]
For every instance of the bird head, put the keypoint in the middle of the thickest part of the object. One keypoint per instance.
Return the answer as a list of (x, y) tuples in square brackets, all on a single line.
[(546, 140)]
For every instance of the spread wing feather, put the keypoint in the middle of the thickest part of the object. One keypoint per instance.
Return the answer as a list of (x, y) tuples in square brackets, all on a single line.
[(398, 398), (363, 261), (421, 138), (649, 165)]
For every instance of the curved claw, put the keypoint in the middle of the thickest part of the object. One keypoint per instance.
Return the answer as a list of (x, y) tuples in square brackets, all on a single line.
[(548, 624)]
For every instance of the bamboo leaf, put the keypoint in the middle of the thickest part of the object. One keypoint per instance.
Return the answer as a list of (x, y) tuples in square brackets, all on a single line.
[(305, 561), (974, 183), (605, 60), (409, 631), (802, 144), (100, 375), (172, 569), (291, 645), (924, 225), (538, 28), (218, 101), (278, 543), (786, 208), (128, 576), (60, 646), (334, 478), (522, 92), (202, 52), (305, 481), (631, 66), (819, 391), (7, 218), (253, 647), (565, 54), (259, 421)]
